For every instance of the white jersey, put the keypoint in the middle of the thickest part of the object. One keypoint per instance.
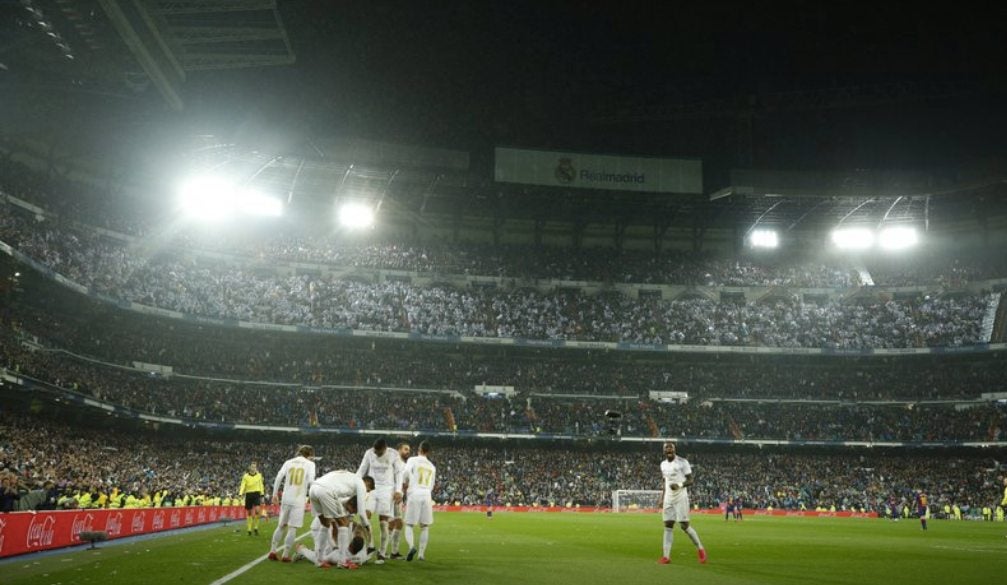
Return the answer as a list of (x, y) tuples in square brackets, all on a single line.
[(343, 485), (383, 469), (675, 472), (420, 474), (296, 475)]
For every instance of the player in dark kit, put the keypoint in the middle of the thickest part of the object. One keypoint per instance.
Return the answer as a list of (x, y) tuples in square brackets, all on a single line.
[(920, 503)]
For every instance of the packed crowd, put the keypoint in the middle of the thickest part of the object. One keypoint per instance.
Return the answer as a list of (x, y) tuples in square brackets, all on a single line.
[(61, 319), (462, 410), (537, 262), (222, 291), (46, 461)]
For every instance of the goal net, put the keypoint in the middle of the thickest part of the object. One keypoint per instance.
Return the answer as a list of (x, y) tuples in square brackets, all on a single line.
[(635, 500)]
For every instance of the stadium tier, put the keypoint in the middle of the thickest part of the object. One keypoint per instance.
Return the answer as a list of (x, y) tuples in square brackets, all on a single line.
[(215, 289), (77, 347), (61, 465)]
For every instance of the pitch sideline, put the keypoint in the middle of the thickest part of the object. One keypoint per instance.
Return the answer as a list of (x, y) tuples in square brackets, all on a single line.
[(241, 570)]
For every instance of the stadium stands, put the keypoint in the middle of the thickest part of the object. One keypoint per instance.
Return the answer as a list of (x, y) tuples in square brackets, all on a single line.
[(222, 291), (53, 462), (73, 345)]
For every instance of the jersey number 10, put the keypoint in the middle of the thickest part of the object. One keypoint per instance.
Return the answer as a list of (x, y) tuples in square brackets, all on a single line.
[(296, 476)]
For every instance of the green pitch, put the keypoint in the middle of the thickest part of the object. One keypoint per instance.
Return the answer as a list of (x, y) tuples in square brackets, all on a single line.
[(559, 549)]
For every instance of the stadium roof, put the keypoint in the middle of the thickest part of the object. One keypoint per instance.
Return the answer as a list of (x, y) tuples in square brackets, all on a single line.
[(831, 87)]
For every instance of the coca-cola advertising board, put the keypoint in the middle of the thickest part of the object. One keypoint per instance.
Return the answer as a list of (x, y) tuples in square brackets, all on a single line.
[(25, 532)]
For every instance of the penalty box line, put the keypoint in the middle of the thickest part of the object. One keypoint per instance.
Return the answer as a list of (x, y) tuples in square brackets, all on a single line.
[(242, 570)]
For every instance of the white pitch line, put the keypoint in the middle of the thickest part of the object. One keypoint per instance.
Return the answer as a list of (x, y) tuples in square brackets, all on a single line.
[(245, 568)]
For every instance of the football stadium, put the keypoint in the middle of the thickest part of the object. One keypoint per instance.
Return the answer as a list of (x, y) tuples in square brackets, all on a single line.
[(501, 292)]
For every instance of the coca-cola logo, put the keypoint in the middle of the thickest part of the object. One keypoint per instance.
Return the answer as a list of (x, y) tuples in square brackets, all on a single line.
[(158, 522), (41, 532), (113, 526), (3, 523), (201, 517), (188, 517), (81, 523), (213, 514), (139, 520), (176, 518)]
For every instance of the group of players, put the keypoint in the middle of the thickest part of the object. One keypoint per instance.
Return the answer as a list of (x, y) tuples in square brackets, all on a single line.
[(343, 502), (381, 483)]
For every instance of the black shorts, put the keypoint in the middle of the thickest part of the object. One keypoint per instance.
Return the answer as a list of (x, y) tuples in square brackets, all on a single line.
[(252, 500)]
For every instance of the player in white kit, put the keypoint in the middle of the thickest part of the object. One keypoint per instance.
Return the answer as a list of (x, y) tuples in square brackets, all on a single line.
[(385, 466), (420, 475), (335, 497), (677, 475), (325, 553), (399, 509), (296, 476)]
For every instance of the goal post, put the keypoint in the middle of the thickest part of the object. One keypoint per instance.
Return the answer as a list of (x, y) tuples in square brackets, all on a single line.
[(635, 500)]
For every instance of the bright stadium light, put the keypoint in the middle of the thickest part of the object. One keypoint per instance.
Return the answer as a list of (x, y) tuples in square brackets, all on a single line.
[(853, 238), (764, 239), (898, 238), (207, 198), (356, 215), (251, 202)]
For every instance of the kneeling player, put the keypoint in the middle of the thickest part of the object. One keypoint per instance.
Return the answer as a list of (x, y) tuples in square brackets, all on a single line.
[(334, 498), (326, 555)]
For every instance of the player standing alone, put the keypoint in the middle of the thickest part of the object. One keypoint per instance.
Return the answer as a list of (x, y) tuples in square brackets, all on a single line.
[(252, 487), (296, 476), (677, 474), (921, 508), (420, 475)]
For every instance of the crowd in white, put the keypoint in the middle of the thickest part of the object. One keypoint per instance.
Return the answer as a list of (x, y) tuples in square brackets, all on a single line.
[(232, 292)]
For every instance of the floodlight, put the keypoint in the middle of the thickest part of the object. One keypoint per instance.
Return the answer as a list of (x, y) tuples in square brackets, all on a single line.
[(764, 239), (356, 215), (898, 238), (207, 197), (853, 238), (251, 202)]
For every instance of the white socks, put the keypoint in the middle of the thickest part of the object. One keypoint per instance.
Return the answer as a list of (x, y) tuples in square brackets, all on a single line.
[(409, 537), (291, 535), (343, 541), (393, 542), (669, 538), (277, 535), (693, 537), (424, 538), (384, 538)]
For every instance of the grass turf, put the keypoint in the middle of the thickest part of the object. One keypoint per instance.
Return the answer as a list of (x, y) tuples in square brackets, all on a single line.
[(559, 549)]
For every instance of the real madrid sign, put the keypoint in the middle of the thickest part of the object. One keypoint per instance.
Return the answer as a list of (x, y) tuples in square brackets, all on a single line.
[(594, 171)]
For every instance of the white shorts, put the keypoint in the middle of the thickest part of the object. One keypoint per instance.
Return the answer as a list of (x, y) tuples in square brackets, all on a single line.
[(292, 515), (677, 510), (419, 510), (323, 503), (380, 501)]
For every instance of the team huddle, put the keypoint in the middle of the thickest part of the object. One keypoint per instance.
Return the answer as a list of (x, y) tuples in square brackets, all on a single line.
[(390, 484), (398, 489)]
